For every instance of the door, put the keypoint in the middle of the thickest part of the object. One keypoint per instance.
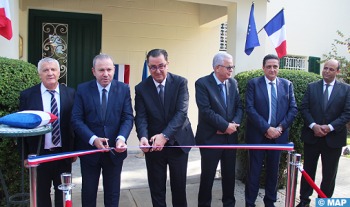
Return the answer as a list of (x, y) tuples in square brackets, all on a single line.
[(72, 38)]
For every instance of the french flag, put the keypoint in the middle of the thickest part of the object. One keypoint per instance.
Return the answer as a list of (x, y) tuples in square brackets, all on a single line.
[(122, 73), (276, 30), (5, 20)]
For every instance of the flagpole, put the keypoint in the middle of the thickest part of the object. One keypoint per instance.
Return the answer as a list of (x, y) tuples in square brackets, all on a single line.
[(270, 20)]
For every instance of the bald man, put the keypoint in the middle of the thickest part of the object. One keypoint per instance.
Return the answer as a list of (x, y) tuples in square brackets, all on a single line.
[(325, 110)]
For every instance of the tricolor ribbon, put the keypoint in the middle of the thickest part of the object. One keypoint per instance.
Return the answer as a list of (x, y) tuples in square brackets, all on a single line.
[(52, 157)]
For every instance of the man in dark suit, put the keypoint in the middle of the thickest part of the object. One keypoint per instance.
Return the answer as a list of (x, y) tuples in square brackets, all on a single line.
[(220, 112), (102, 111), (326, 111), (161, 105), (61, 139), (271, 109)]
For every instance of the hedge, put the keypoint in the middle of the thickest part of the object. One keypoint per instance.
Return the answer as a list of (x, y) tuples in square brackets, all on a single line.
[(15, 76), (300, 80)]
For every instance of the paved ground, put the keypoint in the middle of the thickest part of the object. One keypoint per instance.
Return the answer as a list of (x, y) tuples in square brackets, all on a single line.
[(135, 192)]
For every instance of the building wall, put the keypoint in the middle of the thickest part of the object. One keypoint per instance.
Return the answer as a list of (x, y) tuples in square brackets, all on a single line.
[(311, 26), (9, 48), (132, 28)]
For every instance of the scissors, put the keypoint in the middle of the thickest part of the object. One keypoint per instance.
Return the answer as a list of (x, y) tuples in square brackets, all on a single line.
[(108, 146)]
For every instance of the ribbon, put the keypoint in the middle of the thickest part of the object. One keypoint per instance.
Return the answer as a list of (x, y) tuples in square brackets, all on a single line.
[(48, 158), (52, 157), (312, 183)]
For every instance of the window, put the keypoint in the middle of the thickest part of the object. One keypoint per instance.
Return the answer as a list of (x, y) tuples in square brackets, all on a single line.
[(293, 62), (223, 37)]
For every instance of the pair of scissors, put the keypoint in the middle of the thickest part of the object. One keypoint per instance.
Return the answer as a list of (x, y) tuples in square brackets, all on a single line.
[(108, 146)]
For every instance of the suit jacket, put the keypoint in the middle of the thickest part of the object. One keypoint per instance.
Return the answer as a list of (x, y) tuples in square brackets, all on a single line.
[(337, 112), (213, 114), (152, 118), (257, 109), (30, 99), (87, 117)]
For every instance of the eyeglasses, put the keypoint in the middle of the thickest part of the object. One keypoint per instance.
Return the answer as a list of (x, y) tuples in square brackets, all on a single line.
[(228, 68), (154, 68)]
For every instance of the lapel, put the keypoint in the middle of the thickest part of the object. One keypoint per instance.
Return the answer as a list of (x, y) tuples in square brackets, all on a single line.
[(169, 87), (153, 93), (111, 99), (63, 96), (320, 93), (229, 96), (336, 89), (96, 99), (38, 99), (280, 92), (263, 88), (216, 90)]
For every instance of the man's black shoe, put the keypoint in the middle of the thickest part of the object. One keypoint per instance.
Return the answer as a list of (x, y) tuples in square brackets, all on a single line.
[(303, 204)]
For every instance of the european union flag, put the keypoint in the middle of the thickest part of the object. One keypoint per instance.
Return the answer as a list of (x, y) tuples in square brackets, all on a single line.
[(145, 71), (252, 35)]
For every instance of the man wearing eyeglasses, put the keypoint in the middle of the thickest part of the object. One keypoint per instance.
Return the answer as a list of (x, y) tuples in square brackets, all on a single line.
[(161, 105), (220, 112), (271, 109)]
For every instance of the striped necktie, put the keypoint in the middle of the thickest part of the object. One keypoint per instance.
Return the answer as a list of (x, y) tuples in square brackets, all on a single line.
[(273, 105), (56, 137)]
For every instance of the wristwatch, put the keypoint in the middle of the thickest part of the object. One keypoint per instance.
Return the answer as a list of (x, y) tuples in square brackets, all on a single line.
[(165, 136), (279, 128)]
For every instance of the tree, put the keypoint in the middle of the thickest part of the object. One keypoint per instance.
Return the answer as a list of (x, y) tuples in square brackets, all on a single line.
[(344, 62)]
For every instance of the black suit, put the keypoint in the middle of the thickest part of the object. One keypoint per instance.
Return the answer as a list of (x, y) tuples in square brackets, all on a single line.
[(151, 119), (30, 99), (214, 115), (337, 113)]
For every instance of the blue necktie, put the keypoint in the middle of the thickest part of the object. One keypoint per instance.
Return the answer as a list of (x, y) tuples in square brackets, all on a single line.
[(104, 104), (273, 105), (56, 138), (221, 85)]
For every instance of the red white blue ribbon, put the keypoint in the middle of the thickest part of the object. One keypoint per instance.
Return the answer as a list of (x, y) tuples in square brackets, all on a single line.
[(47, 158), (52, 157)]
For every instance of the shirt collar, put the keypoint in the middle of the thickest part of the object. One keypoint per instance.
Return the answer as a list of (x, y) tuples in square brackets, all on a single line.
[(100, 87), (163, 83), (218, 82), (268, 81), (331, 84), (44, 89)]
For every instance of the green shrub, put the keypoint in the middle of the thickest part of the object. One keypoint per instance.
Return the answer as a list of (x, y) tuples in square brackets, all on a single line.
[(15, 76), (300, 81)]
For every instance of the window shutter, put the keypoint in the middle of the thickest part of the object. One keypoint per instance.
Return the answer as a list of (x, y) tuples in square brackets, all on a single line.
[(314, 65)]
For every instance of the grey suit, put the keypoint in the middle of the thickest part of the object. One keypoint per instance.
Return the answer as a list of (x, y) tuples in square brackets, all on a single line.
[(337, 113), (214, 115)]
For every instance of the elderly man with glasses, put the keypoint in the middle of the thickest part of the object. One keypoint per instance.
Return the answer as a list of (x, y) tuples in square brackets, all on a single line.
[(220, 112), (161, 105)]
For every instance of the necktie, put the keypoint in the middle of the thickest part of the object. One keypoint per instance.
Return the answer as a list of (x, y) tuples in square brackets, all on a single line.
[(161, 93), (56, 138), (104, 104), (325, 97), (273, 105), (221, 85)]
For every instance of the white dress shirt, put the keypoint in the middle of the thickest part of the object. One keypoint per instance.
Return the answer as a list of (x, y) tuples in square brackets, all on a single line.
[(46, 100)]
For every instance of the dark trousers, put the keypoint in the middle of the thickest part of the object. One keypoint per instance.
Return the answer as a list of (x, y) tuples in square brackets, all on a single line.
[(255, 163), (209, 162), (111, 181), (48, 173), (330, 160), (157, 162)]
